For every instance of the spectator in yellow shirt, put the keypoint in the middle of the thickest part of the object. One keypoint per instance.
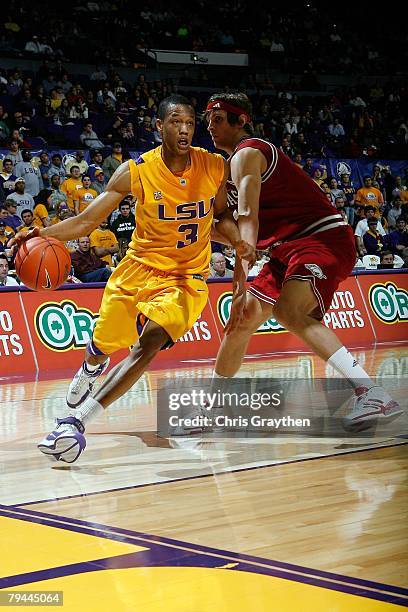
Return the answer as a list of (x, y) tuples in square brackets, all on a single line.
[(71, 185), (404, 195), (104, 243), (84, 195), (7, 228), (42, 208), (369, 195)]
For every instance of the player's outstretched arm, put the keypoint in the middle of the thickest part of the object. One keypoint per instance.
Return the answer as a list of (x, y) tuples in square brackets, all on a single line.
[(88, 220)]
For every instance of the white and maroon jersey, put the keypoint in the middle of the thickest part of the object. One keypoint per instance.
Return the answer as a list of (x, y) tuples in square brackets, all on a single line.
[(291, 205)]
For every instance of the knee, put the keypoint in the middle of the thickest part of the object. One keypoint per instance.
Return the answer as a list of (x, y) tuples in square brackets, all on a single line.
[(247, 327), (153, 339), (287, 315)]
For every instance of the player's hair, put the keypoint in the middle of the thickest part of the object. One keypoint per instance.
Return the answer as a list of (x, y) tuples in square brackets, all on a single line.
[(74, 166), (369, 207), (401, 218), (3, 256), (7, 160), (236, 99), (173, 100), (86, 176), (26, 210)]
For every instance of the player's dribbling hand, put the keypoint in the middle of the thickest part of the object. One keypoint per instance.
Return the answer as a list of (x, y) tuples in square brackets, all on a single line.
[(21, 237), (245, 251)]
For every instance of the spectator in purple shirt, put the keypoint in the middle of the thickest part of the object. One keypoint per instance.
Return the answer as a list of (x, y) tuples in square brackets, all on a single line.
[(7, 178), (12, 220)]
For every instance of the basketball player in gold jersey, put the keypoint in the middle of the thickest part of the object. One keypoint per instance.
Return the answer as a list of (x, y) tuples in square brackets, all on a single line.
[(158, 290)]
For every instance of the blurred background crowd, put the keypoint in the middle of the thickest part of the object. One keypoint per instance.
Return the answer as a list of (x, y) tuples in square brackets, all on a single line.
[(80, 86)]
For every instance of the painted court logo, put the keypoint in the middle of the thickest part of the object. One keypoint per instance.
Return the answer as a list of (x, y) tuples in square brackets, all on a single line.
[(64, 325), (389, 302), (224, 309)]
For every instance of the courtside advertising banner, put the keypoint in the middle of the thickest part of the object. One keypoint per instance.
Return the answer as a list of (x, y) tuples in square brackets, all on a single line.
[(347, 317), (43, 332), (16, 353), (386, 296), (61, 324)]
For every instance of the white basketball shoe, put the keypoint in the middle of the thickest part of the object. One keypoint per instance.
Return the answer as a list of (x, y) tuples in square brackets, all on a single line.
[(66, 442), (82, 384), (371, 406)]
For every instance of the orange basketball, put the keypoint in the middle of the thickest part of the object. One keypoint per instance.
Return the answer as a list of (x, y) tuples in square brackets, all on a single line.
[(43, 264)]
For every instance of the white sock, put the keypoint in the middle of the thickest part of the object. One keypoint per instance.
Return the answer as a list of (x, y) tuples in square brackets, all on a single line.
[(87, 411), (88, 367), (214, 385), (344, 362)]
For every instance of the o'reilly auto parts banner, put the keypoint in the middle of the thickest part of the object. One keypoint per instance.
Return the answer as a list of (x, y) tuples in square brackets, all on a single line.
[(45, 332), (386, 297)]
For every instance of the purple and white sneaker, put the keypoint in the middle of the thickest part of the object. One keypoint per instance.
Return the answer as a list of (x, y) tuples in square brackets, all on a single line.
[(66, 442), (82, 384)]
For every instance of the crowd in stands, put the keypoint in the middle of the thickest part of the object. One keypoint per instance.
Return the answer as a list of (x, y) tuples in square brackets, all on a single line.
[(308, 38), (93, 111), (45, 190)]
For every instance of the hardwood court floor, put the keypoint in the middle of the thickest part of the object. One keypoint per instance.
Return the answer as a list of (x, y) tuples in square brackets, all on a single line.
[(205, 524)]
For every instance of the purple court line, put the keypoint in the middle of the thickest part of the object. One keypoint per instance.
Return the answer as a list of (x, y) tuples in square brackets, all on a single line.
[(163, 482), (144, 558), (194, 560), (140, 538)]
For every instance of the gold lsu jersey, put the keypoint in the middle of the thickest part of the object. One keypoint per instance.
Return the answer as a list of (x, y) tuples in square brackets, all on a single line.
[(174, 212)]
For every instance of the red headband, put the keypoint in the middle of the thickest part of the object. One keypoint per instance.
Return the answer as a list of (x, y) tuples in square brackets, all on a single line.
[(230, 108)]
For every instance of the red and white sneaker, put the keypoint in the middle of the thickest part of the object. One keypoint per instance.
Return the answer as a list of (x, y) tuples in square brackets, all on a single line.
[(371, 406)]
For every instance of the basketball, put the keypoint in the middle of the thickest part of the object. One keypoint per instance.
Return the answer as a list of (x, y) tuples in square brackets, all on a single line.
[(43, 264)]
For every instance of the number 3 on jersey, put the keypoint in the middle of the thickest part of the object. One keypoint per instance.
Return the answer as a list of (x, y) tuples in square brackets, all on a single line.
[(190, 231)]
